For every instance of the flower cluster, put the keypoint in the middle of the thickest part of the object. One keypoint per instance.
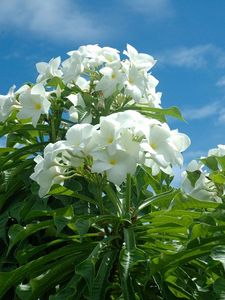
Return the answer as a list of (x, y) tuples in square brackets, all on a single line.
[(197, 184), (91, 69), (92, 97), (205, 179), (113, 148)]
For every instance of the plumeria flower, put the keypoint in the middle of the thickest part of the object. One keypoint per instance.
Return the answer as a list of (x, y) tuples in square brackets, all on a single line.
[(83, 84), (72, 68), (90, 54), (139, 60), (151, 97), (48, 70), (112, 80), (116, 166), (79, 138), (203, 188), (51, 168), (164, 146), (157, 166), (135, 83), (219, 151), (108, 136), (46, 177), (7, 103), (129, 144), (33, 103), (77, 102), (110, 55)]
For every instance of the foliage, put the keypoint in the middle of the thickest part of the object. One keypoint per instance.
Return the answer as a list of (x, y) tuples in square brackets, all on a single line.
[(85, 236)]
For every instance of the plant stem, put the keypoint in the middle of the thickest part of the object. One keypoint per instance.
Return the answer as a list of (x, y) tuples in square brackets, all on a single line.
[(99, 196), (53, 129), (112, 196), (127, 196)]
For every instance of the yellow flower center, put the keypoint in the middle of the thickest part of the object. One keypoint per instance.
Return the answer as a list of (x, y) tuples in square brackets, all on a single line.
[(37, 106), (131, 81), (153, 145), (110, 140), (113, 76), (112, 161)]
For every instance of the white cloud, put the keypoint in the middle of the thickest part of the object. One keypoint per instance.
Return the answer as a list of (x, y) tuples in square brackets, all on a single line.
[(154, 9), (214, 109), (54, 19), (221, 116), (193, 57), (202, 112), (194, 154), (221, 82)]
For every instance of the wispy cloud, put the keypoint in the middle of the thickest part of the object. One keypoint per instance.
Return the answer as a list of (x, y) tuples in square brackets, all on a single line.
[(194, 154), (154, 9), (52, 19), (221, 82), (214, 109), (196, 57), (202, 112)]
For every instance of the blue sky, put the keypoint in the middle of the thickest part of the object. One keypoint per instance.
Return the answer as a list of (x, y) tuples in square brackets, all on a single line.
[(186, 37)]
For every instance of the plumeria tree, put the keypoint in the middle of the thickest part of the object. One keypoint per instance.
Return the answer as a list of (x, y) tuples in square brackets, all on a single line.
[(88, 210)]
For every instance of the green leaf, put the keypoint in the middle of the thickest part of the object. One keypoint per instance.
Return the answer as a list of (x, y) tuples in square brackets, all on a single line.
[(23, 291), (172, 111), (221, 161), (18, 233), (218, 253), (129, 256), (3, 220), (217, 177), (63, 191), (162, 200), (49, 279), (100, 283), (83, 225), (6, 150), (86, 268), (181, 201), (62, 217), (23, 152), (219, 288), (210, 162), (42, 264), (56, 81)]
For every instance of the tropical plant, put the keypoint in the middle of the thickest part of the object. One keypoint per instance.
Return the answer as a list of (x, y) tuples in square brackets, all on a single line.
[(88, 208)]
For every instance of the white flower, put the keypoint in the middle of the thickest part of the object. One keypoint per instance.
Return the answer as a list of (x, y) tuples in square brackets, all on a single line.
[(110, 55), (135, 83), (48, 70), (77, 102), (151, 97), (51, 168), (79, 138), (139, 60), (83, 84), (94, 56), (112, 80), (33, 102), (7, 104), (164, 146), (194, 165), (116, 166), (72, 67), (108, 134), (203, 188), (219, 151)]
